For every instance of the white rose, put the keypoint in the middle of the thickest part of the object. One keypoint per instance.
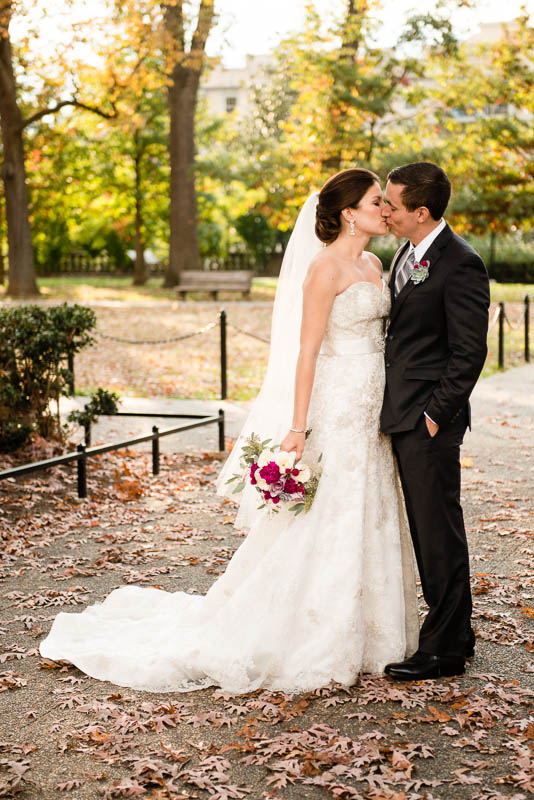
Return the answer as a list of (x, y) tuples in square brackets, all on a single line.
[(261, 482), (284, 460), (265, 457), (304, 472)]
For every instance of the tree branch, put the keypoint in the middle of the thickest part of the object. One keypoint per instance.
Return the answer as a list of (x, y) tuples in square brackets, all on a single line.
[(206, 13), (174, 23), (76, 103)]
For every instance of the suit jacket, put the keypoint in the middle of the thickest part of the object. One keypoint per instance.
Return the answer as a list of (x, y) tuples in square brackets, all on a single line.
[(436, 339)]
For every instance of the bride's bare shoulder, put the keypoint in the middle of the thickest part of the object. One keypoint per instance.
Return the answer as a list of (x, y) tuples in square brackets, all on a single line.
[(375, 261), (323, 270)]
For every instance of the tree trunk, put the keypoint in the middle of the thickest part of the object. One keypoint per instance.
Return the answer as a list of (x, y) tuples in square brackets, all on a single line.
[(22, 282), (183, 245), (2, 249), (140, 272), (182, 94)]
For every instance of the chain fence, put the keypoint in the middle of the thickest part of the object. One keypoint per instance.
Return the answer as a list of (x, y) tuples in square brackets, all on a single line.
[(248, 333), (168, 340), (499, 318)]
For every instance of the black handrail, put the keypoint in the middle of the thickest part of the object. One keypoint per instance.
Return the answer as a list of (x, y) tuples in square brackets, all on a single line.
[(83, 453)]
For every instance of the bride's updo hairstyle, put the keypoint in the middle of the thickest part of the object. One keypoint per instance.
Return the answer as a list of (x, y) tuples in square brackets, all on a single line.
[(344, 190)]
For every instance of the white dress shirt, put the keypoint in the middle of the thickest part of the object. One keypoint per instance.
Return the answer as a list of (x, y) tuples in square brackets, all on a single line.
[(420, 249)]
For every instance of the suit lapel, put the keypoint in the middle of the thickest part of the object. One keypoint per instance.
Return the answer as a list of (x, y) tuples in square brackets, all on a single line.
[(432, 255)]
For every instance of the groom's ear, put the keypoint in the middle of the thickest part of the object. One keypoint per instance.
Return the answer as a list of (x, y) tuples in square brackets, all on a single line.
[(422, 214)]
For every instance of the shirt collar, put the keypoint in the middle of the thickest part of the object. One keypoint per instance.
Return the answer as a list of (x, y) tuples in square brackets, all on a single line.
[(423, 245)]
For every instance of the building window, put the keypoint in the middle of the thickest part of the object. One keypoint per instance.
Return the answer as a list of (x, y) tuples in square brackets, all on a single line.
[(231, 103), (497, 110)]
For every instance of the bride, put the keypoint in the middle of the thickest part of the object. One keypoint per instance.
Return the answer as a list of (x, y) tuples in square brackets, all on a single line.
[(310, 599)]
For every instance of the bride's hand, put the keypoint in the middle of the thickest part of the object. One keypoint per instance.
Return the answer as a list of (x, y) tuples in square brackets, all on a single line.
[(294, 443)]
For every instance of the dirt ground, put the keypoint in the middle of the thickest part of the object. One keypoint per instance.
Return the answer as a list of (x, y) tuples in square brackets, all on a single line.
[(63, 734)]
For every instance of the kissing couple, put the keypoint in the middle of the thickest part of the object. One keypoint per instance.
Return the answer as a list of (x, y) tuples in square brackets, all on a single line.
[(381, 373)]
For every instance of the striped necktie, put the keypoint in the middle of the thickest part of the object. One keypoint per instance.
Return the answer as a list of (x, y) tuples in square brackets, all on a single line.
[(403, 273)]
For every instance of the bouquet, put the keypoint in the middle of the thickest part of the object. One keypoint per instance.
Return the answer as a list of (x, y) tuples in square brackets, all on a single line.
[(275, 476)]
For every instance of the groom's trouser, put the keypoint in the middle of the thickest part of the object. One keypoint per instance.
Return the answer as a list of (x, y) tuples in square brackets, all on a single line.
[(430, 474)]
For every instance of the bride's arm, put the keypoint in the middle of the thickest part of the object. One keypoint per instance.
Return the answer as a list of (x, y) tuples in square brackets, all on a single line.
[(319, 291)]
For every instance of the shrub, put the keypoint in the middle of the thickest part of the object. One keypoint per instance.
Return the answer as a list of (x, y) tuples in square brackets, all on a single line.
[(258, 235), (35, 344), (101, 402), (513, 260)]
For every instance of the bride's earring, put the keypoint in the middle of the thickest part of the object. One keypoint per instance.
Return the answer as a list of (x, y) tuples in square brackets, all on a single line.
[(352, 228)]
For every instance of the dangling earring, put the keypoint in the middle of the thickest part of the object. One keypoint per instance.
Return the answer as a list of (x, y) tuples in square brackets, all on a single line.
[(352, 228)]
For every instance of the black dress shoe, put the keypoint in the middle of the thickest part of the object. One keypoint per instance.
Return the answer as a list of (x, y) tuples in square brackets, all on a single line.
[(423, 666)]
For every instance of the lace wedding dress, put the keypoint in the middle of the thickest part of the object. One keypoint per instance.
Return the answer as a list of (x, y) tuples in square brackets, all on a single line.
[(305, 600)]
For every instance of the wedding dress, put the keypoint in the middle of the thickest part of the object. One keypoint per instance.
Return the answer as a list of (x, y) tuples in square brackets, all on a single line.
[(305, 600)]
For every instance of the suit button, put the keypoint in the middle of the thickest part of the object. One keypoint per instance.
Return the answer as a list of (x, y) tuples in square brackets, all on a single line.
[(390, 336), (388, 364)]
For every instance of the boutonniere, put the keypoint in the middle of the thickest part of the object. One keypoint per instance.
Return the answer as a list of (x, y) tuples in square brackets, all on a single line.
[(419, 272)]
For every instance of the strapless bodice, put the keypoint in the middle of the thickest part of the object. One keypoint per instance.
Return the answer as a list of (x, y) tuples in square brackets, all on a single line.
[(355, 326)]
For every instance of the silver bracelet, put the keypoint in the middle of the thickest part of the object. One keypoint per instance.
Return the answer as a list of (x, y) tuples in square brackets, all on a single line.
[(296, 431)]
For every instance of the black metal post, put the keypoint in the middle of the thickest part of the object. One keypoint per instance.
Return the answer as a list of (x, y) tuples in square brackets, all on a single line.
[(70, 364), (82, 471), (87, 429), (501, 336), (155, 450), (527, 328), (220, 425), (223, 355)]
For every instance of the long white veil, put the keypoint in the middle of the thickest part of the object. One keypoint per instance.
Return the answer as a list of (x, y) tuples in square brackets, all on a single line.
[(271, 413)]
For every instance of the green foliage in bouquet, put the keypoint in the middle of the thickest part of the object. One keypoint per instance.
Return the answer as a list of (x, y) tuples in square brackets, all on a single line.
[(250, 452), (276, 476)]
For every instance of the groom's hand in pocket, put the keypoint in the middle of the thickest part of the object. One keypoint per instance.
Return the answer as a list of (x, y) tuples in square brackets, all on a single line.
[(432, 427)]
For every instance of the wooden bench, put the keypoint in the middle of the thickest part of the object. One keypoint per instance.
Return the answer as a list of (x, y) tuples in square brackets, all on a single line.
[(214, 282)]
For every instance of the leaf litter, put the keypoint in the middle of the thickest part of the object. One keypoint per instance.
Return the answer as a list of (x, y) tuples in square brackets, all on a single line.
[(64, 733)]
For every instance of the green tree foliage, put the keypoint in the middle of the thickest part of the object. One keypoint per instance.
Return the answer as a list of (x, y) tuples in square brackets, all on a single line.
[(332, 99), (486, 103)]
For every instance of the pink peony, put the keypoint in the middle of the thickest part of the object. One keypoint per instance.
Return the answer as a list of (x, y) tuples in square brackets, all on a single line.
[(270, 472), (253, 468), (291, 486)]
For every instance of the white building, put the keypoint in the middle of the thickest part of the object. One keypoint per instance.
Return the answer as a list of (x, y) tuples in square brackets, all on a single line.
[(226, 90)]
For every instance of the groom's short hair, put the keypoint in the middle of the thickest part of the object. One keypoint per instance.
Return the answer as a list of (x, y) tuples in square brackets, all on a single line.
[(425, 184)]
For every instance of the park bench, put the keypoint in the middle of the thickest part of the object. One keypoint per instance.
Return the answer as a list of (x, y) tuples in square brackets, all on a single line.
[(215, 282)]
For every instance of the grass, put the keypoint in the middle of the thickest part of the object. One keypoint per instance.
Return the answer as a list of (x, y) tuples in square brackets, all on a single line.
[(84, 289), (511, 292), (89, 288)]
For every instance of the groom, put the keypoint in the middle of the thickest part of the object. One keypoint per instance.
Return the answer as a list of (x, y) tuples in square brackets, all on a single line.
[(435, 351)]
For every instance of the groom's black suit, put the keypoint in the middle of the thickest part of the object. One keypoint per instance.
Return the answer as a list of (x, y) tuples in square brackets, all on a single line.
[(435, 350)]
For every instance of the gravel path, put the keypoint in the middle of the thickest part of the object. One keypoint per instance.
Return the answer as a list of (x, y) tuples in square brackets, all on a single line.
[(62, 734)]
